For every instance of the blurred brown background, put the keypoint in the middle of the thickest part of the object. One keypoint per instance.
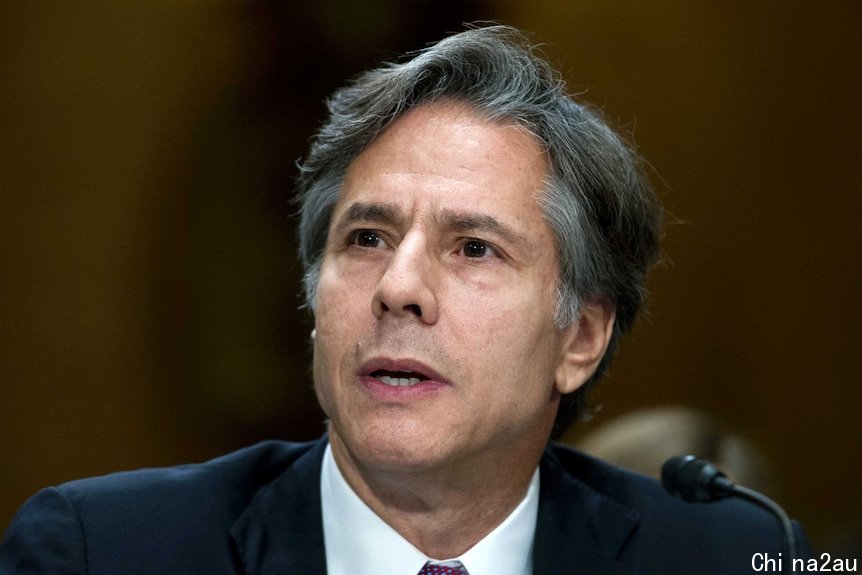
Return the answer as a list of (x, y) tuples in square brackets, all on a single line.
[(148, 284)]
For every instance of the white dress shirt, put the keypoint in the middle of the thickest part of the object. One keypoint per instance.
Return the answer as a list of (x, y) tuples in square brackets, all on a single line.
[(358, 542)]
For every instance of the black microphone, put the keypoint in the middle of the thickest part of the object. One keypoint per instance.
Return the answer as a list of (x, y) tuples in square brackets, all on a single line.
[(697, 480)]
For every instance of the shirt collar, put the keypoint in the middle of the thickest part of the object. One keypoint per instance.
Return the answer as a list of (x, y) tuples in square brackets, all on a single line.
[(359, 542)]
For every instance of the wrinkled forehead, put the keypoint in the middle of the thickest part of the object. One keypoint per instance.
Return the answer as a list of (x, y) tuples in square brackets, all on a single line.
[(447, 156), (438, 118)]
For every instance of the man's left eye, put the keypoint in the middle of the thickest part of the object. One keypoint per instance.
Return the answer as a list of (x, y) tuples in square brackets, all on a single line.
[(367, 239), (476, 249)]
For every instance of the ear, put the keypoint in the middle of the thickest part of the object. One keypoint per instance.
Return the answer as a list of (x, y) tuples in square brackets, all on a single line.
[(584, 345)]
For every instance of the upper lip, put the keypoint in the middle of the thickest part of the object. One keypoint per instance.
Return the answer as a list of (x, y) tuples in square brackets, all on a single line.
[(404, 365)]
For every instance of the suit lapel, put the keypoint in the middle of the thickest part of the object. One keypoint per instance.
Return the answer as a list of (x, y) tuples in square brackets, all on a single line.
[(580, 530), (281, 531)]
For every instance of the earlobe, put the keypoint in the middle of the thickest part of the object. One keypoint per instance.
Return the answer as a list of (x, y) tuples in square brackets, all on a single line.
[(584, 345)]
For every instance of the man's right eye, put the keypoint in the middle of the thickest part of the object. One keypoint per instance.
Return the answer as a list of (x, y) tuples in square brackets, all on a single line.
[(367, 239)]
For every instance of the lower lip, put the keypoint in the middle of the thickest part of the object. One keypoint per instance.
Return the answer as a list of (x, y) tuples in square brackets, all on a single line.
[(401, 393)]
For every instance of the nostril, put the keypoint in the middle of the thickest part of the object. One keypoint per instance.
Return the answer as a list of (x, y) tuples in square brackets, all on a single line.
[(414, 308)]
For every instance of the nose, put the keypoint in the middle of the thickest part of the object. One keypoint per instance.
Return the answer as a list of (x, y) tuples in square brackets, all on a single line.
[(406, 288)]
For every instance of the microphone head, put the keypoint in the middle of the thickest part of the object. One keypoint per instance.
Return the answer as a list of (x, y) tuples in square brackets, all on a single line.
[(694, 479)]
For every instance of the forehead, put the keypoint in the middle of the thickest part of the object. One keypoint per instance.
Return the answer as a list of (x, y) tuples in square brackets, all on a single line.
[(446, 156)]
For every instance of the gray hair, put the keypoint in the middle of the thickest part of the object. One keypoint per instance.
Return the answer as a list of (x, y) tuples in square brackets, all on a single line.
[(597, 201)]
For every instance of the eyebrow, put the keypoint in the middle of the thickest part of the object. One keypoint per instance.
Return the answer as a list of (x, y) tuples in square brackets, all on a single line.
[(369, 213), (365, 212), (471, 222)]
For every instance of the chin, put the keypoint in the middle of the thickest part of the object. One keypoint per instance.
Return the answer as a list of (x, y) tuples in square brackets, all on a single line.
[(397, 449)]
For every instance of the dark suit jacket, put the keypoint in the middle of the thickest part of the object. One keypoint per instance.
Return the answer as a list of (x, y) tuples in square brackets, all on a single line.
[(257, 511)]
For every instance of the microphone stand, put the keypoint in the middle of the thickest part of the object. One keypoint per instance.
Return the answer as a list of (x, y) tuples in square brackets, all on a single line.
[(768, 504), (697, 480)]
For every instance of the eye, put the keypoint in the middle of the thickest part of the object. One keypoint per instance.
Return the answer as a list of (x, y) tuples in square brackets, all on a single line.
[(366, 239), (477, 249)]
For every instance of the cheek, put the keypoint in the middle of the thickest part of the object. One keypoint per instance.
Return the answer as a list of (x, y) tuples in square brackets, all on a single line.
[(501, 326), (333, 327), (514, 337), (321, 389), (340, 300)]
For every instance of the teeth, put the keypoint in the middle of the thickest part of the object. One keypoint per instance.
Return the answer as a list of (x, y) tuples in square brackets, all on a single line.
[(398, 381)]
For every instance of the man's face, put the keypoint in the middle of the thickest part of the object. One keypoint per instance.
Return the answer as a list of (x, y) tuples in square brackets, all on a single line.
[(435, 339)]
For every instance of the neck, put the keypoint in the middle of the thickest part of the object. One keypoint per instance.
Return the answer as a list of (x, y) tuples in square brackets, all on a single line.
[(445, 510)]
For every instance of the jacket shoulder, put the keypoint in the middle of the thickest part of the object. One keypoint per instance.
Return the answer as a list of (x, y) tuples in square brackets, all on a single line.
[(646, 496), (228, 480), (669, 532), (142, 517)]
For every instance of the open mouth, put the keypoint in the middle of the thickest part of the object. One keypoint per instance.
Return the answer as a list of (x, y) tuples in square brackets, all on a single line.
[(398, 378)]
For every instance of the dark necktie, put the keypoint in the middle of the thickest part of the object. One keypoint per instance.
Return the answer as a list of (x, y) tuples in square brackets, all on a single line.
[(450, 568)]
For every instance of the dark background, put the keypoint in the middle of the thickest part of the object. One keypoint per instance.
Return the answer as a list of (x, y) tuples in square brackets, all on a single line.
[(148, 284)]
